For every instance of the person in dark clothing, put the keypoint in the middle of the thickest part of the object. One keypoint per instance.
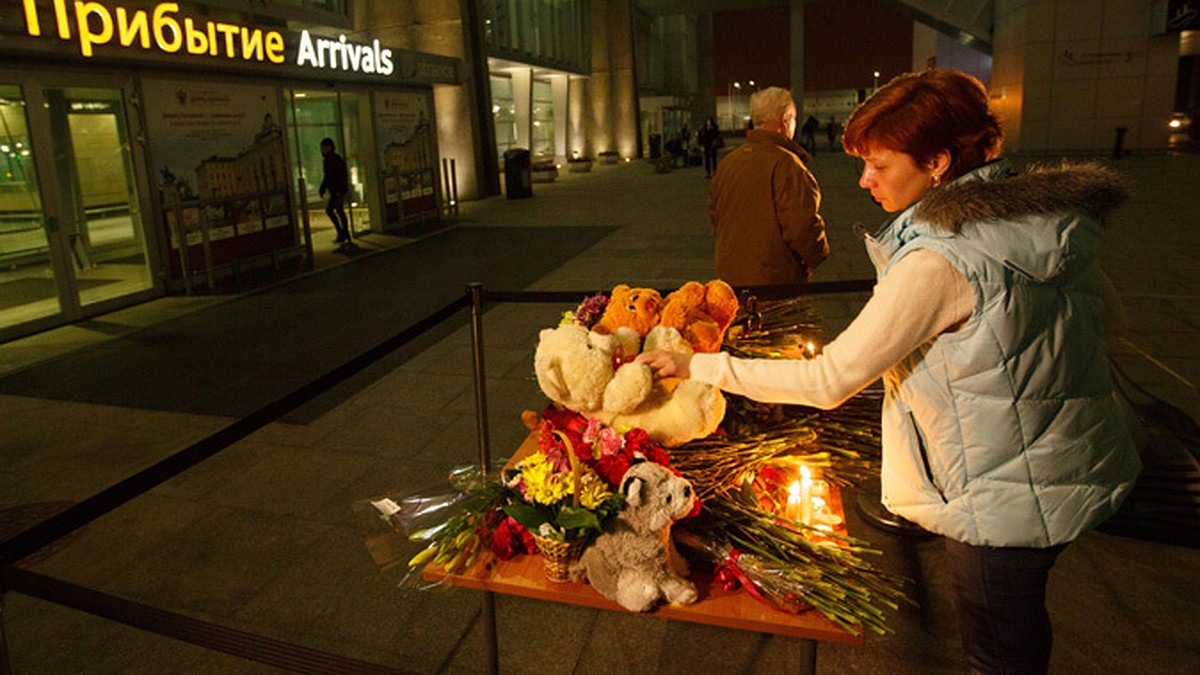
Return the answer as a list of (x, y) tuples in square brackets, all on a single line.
[(337, 182), (808, 134), (709, 138)]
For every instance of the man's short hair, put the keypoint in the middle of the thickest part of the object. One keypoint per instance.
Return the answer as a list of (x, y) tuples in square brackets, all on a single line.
[(768, 105), (329, 142)]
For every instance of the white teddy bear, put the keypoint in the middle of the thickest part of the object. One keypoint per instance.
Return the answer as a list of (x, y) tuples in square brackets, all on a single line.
[(593, 374)]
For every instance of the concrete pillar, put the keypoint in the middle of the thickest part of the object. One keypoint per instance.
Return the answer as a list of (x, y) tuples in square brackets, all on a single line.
[(578, 116), (613, 88), (705, 105), (796, 15), (560, 94)]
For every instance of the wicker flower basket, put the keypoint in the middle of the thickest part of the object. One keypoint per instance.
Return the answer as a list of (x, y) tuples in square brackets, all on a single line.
[(557, 556)]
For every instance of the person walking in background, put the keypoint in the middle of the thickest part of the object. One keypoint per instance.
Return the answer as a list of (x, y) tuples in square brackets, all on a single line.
[(831, 132), (337, 181), (709, 138), (987, 325), (808, 134), (763, 202)]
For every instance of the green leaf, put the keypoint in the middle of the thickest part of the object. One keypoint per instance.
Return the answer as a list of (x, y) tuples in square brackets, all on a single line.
[(748, 496), (530, 517), (576, 518)]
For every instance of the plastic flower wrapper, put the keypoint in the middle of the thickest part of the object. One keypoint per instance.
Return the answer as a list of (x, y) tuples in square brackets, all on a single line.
[(428, 508)]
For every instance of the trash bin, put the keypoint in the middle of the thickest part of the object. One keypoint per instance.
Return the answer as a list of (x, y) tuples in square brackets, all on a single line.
[(518, 173), (655, 146)]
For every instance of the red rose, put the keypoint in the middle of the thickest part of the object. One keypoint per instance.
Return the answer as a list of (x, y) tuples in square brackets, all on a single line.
[(613, 467), (507, 539)]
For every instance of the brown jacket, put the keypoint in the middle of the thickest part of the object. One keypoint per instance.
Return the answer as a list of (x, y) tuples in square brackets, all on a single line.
[(763, 204)]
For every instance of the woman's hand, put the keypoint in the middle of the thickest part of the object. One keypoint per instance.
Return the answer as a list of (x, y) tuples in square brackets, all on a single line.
[(667, 364)]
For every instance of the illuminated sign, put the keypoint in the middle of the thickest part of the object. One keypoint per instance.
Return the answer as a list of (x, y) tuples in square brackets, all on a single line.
[(162, 29), (341, 54)]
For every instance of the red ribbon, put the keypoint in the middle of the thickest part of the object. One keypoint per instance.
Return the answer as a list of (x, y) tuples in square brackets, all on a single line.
[(731, 577)]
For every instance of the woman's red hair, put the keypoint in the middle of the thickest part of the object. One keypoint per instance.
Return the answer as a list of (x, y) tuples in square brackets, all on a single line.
[(922, 114)]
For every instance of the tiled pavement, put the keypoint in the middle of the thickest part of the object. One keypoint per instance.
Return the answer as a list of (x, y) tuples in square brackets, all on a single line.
[(261, 537)]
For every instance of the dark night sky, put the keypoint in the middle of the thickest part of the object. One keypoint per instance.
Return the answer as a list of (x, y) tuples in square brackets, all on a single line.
[(844, 43)]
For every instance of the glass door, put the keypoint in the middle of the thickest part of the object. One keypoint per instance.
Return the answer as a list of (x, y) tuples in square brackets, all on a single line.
[(28, 286), (72, 238), (98, 190), (317, 115)]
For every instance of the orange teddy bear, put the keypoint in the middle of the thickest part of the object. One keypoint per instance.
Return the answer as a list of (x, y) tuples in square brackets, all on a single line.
[(701, 313), (636, 308)]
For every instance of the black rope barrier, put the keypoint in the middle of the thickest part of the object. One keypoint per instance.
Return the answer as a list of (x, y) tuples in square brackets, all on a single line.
[(59, 525), (778, 292), (193, 631)]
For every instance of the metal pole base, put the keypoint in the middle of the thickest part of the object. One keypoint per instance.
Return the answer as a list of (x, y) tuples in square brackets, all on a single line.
[(871, 508)]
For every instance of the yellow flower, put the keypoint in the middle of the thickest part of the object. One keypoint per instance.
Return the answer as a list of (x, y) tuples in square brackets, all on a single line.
[(542, 484), (593, 492)]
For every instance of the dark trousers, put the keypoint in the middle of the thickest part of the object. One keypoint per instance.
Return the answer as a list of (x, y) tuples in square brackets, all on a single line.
[(336, 210), (1001, 596), (710, 160)]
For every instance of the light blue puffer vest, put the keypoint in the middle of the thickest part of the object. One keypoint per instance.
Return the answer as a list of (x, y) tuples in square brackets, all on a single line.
[(1005, 432)]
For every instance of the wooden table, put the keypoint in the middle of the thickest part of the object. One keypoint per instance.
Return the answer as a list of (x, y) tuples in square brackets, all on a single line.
[(716, 606)]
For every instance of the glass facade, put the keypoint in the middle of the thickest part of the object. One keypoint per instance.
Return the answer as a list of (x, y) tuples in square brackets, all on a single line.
[(504, 113), (29, 289), (543, 119), (551, 32)]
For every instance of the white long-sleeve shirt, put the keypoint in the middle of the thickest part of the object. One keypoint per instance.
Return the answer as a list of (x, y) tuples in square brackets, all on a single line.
[(921, 297)]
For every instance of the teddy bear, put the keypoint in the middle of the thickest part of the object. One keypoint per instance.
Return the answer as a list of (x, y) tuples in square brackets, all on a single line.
[(593, 374), (633, 561), (635, 308), (591, 371), (701, 313)]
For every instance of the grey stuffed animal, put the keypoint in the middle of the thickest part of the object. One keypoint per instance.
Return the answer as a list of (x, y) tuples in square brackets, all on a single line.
[(634, 561)]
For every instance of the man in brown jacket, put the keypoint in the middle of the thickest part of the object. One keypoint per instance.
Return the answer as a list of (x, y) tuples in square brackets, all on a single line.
[(763, 202)]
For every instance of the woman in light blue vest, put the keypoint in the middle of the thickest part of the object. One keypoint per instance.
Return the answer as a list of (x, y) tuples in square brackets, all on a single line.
[(1000, 429)]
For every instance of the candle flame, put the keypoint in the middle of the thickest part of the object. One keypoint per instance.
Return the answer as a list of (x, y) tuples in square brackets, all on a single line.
[(794, 491), (805, 473)]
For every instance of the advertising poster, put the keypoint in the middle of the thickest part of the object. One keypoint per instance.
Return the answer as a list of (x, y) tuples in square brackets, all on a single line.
[(407, 155), (220, 147)]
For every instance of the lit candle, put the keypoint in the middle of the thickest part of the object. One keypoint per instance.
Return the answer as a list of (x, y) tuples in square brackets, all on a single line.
[(806, 484), (793, 502)]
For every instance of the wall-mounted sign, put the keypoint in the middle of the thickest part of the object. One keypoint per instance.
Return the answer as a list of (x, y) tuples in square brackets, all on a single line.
[(163, 31), (1183, 15)]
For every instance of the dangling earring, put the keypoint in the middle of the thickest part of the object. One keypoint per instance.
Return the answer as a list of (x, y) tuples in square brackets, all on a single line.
[(937, 180)]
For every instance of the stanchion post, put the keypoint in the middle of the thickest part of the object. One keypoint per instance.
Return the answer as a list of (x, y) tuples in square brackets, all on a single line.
[(5, 662), (308, 245), (475, 291), (185, 260)]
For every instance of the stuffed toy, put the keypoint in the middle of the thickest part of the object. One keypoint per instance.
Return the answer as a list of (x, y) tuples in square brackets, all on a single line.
[(636, 308), (591, 371), (701, 313), (594, 375), (634, 562)]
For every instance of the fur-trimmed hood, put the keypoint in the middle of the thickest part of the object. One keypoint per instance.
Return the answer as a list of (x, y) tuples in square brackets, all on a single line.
[(1042, 222), (1003, 194)]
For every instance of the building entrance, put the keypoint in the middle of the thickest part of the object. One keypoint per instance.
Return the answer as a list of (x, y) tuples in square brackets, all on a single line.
[(72, 235), (325, 114)]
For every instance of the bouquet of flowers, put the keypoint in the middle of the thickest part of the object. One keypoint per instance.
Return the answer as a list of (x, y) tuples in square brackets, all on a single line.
[(553, 500)]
